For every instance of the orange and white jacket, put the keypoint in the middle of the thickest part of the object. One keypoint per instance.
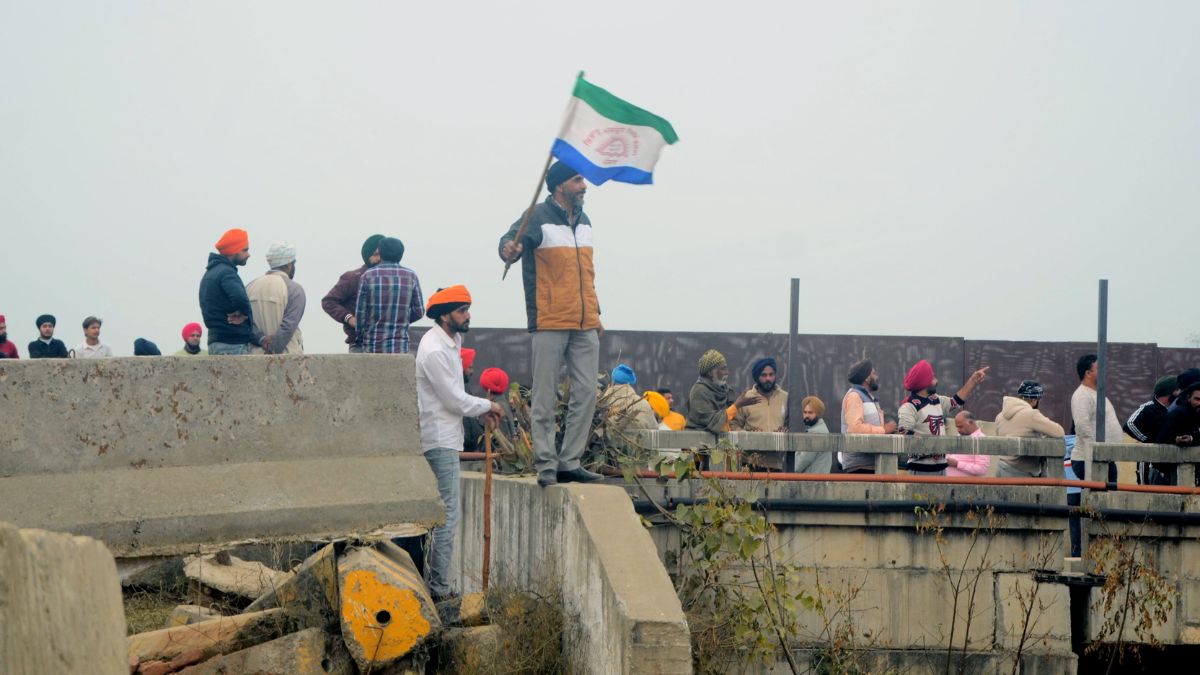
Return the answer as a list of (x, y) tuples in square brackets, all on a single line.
[(556, 267)]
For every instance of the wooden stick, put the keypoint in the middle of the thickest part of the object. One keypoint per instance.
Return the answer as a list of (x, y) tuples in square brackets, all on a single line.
[(525, 218), (487, 503)]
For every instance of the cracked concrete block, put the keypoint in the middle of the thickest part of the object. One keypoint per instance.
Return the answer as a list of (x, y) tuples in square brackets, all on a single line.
[(60, 605)]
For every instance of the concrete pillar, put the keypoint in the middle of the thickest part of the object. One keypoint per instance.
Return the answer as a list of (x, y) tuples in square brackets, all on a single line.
[(60, 605)]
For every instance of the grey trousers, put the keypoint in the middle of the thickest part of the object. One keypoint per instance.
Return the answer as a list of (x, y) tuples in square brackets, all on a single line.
[(580, 349)]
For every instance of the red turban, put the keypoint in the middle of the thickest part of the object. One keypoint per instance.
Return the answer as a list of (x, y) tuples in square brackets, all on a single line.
[(2, 319), (494, 380), (192, 328), (233, 241), (468, 357), (919, 377)]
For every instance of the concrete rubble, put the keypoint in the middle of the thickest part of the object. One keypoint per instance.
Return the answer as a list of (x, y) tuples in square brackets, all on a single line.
[(346, 609)]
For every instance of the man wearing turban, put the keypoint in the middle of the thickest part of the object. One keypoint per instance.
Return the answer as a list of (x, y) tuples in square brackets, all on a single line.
[(8, 348), (625, 407), (339, 302), (278, 301), (711, 404), (47, 346), (223, 300), (389, 300), (769, 414), (862, 414), (192, 333), (442, 403), (924, 413), (555, 250)]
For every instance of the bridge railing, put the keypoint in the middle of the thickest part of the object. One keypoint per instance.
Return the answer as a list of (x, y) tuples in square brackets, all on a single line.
[(887, 448), (1185, 459)]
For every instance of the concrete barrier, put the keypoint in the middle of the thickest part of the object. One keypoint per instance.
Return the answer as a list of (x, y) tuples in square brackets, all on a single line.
[(60, 605), (586, 543), (1167, 541), (167, 455)]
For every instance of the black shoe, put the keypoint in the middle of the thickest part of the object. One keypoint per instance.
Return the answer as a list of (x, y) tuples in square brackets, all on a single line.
[(547, 478), (580, 475)]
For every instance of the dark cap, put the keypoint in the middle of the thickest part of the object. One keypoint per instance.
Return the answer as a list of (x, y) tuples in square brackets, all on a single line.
[(559, 174)]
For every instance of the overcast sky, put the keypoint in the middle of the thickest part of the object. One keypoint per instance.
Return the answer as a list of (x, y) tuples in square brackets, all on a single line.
[(927, 168)]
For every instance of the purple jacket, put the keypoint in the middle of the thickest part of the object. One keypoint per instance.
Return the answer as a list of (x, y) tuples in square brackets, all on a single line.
[(338, 303)]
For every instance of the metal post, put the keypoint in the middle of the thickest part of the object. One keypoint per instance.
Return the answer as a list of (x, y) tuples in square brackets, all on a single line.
[(1102, 355), (793, 412)]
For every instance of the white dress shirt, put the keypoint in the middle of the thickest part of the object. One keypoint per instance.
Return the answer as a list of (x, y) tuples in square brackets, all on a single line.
[(98, 351), (442, 400)]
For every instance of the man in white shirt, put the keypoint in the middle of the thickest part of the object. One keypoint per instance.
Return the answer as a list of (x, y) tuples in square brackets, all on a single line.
[(443, 402), (1083, 413), (91, 348)]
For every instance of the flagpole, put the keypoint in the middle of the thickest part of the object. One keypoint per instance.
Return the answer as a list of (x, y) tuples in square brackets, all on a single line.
[(525, 218)]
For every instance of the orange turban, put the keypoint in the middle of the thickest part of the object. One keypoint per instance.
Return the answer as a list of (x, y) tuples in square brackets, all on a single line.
[(447, 300), (233, 241), (658, 403)]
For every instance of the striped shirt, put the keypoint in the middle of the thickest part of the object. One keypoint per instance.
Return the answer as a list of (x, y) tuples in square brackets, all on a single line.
[(389, 299)]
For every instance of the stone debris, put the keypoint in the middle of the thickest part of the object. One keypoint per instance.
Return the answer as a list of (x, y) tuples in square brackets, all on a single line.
[(348, 609), (233, 576)]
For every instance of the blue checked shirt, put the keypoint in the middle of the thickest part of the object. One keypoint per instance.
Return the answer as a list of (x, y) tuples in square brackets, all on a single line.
[(389, 299)]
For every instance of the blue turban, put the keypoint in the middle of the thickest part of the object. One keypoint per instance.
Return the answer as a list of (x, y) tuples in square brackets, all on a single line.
[(623, 374), (757, 368)]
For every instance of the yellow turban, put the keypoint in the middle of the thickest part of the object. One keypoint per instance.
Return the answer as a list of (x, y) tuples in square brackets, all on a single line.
[(658, 403)]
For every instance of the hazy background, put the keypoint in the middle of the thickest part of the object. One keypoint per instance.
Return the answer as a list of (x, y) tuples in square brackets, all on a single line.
[(930, 168)]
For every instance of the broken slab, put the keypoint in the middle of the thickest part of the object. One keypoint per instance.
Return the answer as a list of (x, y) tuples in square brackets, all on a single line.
[(310, 594), (300, 653), (232, 575), (60, 605), (167, 456), (215, 636), (385, 609)]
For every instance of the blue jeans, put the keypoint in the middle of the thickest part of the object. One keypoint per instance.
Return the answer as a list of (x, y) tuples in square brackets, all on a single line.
[(228, 349), (445, 465)]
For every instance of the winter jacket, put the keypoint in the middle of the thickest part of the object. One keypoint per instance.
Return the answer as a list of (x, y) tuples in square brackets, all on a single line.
[(626, 408), (861, 414), (279, 305), (925, 416), (556, 267), (709, 406), (1181, 420), (1145, 422), (8, 350), (339, 302), (221, 294), (769, 414), (1083, 414), (55, 349), (1019, 419), (815, 462)]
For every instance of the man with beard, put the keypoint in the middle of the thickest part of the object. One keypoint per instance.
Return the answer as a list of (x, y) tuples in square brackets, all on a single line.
[(442, 403), (279, 302), (770, 413), (563, 314), (192, 333), (389, 299), (812, 410), (862, 414), (711, 406), (339, 302), (1145, 423), (8, 350), (47, 346), (924, 413), (224, 304)]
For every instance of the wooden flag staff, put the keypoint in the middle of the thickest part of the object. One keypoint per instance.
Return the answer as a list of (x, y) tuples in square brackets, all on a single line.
[(528, 212)]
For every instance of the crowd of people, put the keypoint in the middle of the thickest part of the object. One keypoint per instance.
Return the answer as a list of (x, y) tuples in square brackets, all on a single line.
[(376, 303)]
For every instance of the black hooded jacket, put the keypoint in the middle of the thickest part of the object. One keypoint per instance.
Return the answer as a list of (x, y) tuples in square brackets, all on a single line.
[(221, 294)]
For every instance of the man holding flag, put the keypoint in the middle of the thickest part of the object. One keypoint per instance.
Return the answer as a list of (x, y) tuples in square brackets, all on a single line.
[(602, 138)]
